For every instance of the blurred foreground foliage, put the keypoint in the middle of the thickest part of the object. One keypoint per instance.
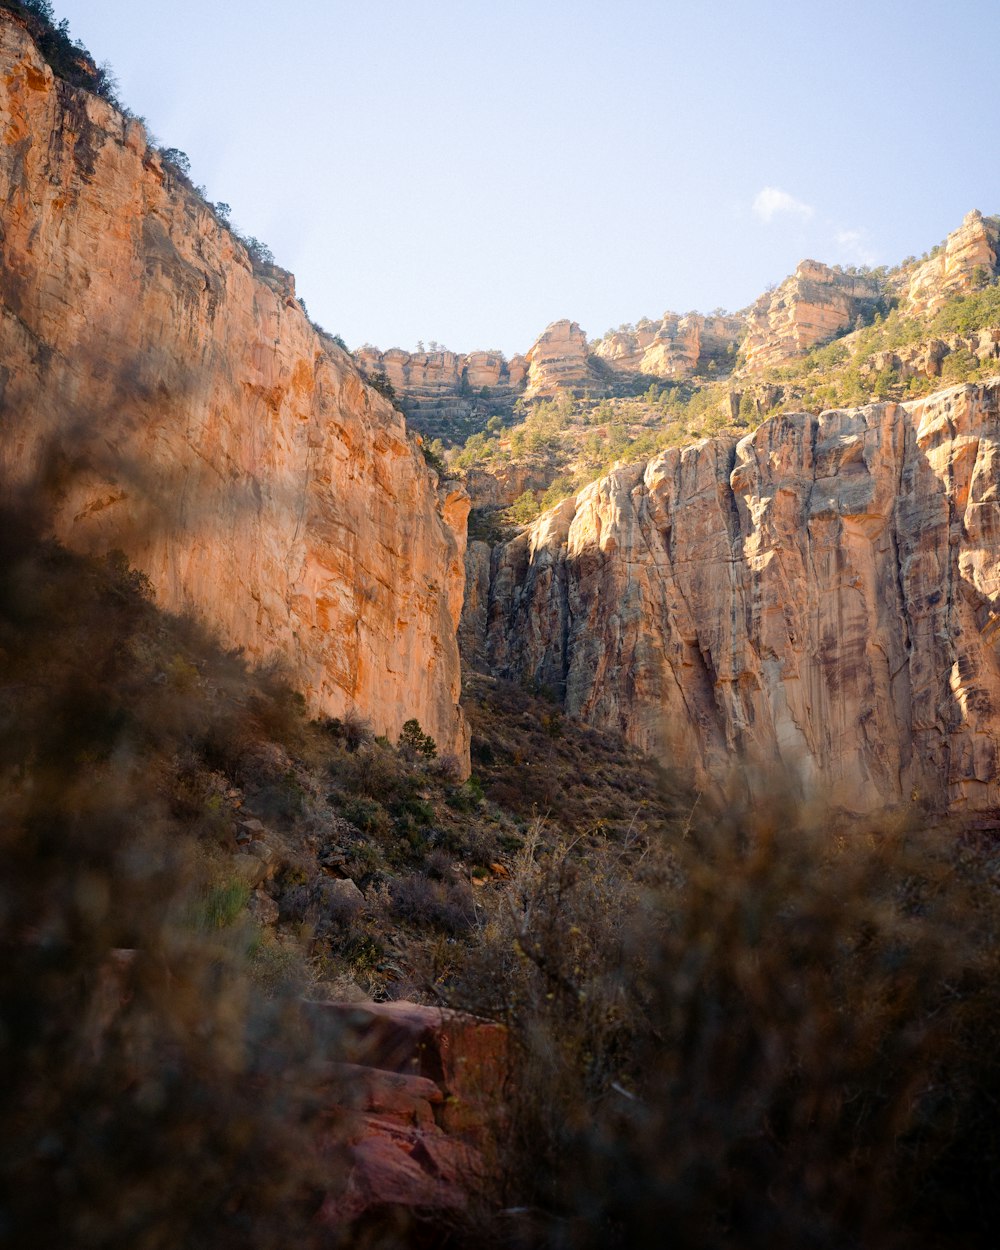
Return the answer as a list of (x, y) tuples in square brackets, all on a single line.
[(781, 1029)]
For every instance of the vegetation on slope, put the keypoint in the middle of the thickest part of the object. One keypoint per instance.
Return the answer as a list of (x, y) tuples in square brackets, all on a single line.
[(576, 440)]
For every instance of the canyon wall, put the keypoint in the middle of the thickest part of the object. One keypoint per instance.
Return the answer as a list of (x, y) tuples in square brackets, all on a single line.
[(559, 360), (441, 389), (169, 400), (823, 592)]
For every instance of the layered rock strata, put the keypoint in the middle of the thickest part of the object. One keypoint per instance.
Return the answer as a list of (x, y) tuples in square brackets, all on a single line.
[(808, 308), (560, 360), (823, 593), (435, 375), (968, 258), (173, 402), (673, 347), (439, 388)]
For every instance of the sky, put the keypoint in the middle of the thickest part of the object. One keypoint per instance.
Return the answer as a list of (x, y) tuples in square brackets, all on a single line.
[(467, 171)]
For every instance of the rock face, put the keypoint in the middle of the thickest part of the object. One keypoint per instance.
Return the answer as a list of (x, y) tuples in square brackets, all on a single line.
[(433, 375), (176, 404), (560, 360), (422, 1101), (808, 308), (674, 347), (824, 592), (969, 254)]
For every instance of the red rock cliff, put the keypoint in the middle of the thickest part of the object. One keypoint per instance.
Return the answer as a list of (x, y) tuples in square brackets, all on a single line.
[(179, 406)]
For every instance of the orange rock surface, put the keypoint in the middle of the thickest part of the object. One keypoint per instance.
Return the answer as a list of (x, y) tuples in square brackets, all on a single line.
[(559, 359), (808, 308), (823, 593), (674, 347), (971, 251), (174, 402)]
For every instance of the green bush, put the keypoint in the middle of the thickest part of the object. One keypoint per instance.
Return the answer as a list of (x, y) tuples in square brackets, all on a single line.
[(412, 739)]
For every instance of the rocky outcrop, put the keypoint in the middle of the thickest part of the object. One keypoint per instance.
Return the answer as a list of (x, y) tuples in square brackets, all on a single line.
[(824, 593), (174, 402), (927, 360), (674, 347), (968, 258), (560, 360), (433, 375), (808, 308), (439, 391), (502, 483), (415, 1106)]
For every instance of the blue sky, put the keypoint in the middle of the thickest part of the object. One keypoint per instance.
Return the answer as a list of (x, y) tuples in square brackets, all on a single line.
[(468, 171)]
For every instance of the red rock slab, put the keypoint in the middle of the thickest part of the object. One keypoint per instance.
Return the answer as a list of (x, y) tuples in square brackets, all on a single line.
[(390, 1167), (463, 1055), (411, 1099)]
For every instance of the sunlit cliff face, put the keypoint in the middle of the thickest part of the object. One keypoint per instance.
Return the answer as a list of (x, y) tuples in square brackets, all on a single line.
[(177, 404), (824, 592)]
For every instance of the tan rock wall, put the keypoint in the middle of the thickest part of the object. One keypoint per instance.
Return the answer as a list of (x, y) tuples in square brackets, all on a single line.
[(443, 375), (674, 347), (180, 407), (970, 251), (559, 360), (825, 592), (808, 308)]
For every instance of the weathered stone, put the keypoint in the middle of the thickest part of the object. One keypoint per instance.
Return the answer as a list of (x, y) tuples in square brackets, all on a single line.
[(824, 593), (808, 308), (416, 1108), (182, 409), (343, 891), (262, 908), (560, 360), (249, 869), (674, 346), (969, 254)]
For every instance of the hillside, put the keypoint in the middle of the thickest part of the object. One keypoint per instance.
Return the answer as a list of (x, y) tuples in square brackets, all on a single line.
[(824, 338)]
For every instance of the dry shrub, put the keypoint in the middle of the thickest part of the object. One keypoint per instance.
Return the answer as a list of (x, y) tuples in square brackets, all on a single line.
[(149, 1097), (785, 1035)]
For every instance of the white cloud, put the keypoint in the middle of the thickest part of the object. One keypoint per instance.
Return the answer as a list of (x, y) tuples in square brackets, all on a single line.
[(772, 201), (855, 246)]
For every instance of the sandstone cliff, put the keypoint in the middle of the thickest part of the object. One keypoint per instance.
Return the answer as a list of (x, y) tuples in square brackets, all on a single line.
[(808, 308), (178, 405), (968, 255), (559, 360), (823, 592), (674, 346), (442, 386)]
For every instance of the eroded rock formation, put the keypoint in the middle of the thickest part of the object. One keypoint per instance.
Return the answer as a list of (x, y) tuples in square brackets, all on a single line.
[(968, 257), (175, 403), (824, 592), (674, 346), (808, 308), (441, 385), (559, 360)]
